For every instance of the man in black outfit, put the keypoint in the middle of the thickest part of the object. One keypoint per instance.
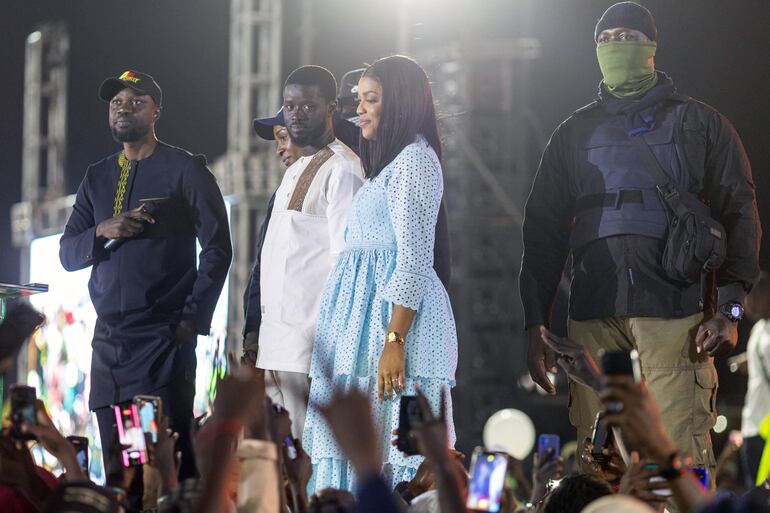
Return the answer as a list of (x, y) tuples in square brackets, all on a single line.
[(136, 219), (595, 197)]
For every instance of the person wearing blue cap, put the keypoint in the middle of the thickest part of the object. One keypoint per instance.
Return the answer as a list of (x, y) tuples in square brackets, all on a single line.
[(613, 182), (274, 129)]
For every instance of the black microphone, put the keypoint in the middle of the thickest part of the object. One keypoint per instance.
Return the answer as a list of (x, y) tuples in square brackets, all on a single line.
[(114, 244), (150, 206)]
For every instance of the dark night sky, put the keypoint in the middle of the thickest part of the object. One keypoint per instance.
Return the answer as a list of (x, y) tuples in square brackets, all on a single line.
[(716, 53)]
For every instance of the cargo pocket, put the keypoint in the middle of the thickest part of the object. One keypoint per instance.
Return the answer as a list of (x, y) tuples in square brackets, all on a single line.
[(703, 455), (583, 406), (704, 403)]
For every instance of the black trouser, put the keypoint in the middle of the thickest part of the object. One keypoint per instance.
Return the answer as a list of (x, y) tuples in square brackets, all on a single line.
[(138, 354), (177, 398)]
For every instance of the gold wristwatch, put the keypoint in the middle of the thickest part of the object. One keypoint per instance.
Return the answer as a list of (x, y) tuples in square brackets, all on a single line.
[(394, 337)]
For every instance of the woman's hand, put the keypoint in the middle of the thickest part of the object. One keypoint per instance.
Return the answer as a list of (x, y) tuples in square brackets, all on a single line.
[(391, 371)]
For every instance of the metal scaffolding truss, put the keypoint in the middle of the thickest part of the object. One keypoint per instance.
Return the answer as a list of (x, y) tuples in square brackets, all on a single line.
[(45, 112), (44, 207), (249, 172), (255, 69)]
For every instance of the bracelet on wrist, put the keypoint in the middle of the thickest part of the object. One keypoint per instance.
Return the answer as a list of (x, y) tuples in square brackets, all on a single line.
[(395, 338)]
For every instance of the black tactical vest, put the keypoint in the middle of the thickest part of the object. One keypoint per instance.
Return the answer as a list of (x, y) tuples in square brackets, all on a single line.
[(615, 193)]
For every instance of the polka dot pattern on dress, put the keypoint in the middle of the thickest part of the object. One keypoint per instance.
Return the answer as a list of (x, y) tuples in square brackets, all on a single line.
[(388, 259)]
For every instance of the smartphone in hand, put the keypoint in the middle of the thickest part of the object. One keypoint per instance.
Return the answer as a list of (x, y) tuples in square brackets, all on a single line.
[(601, 438), (80, 443), (130, 435), (545, 442), (409, 414), (150, 414), (23, 401), (488, 473), (621, 363), (291, 449)]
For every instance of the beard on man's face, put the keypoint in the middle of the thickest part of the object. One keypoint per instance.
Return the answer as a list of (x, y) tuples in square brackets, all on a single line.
[(130, 133), (306, 136)]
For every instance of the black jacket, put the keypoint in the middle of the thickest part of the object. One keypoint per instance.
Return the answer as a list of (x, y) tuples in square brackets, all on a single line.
[(621, 274), (155, 272)]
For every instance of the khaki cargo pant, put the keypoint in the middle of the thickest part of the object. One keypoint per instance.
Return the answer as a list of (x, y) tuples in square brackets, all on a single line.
[(683, 383)]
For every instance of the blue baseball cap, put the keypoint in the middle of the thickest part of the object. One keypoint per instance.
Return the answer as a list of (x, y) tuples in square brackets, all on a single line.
[(264, 126)]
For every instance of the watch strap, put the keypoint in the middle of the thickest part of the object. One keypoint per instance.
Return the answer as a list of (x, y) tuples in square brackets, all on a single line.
[(395, 337), (726, 309)]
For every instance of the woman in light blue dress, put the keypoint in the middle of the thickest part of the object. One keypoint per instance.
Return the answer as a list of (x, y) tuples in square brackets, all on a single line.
[(385, 322)]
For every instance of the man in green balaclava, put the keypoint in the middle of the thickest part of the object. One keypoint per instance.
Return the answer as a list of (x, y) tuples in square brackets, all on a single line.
[(595, 198)]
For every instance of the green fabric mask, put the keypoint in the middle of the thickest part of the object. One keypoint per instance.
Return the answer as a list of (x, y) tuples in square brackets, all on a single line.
[(627, 67)]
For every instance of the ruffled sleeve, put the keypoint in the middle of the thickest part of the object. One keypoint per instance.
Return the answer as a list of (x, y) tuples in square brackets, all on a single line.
[(414, 195)]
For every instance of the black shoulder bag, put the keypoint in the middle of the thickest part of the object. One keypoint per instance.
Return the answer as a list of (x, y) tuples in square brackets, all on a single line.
[(695, 242)]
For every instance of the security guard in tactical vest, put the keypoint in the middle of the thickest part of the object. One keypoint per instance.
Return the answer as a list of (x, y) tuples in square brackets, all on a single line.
[(595, 196)]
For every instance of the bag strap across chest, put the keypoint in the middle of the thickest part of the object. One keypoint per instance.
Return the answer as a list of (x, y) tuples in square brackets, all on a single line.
[(306, 178)]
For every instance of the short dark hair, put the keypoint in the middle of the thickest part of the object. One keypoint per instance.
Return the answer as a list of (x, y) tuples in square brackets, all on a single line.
[(576, 492), (407, 110), (317, 76)]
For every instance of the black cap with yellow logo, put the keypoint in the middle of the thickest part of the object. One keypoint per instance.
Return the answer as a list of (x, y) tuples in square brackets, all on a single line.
[(141, 83)]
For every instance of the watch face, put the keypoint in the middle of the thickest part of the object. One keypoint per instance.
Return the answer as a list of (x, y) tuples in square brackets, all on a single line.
[(736, 311)]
